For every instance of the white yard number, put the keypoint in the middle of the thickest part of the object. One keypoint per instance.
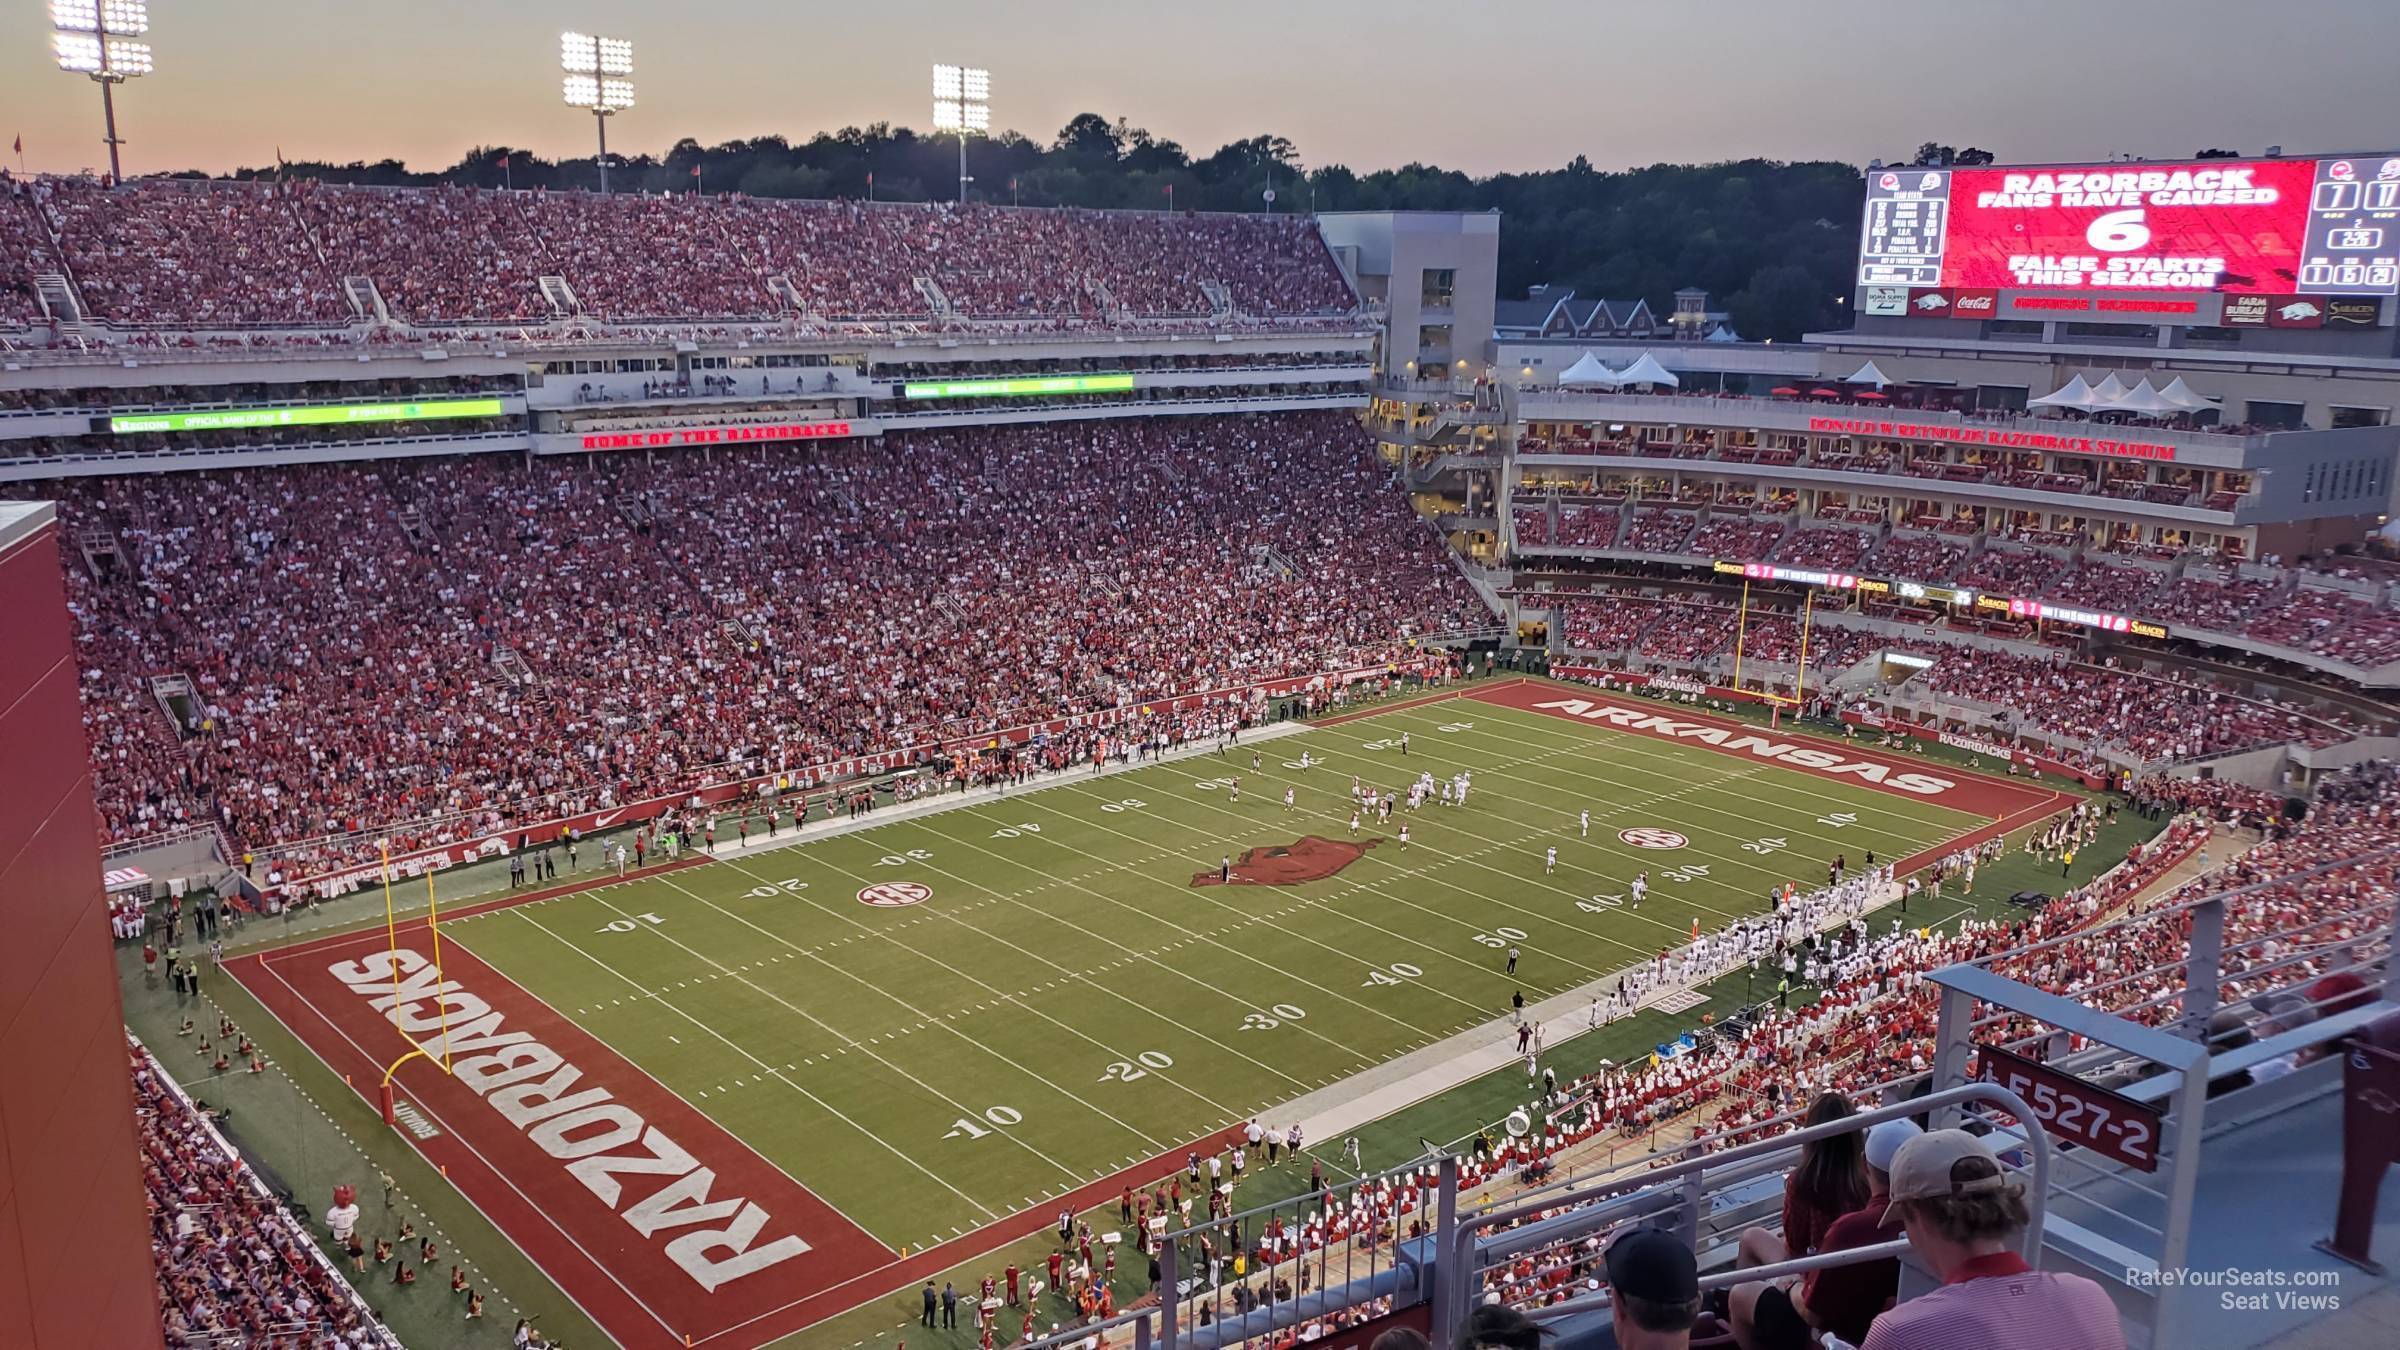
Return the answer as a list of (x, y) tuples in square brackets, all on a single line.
[(787, 886), (2118, 232), (1601, 904), (1127, 804), (1456, 726), (1274, 1017), (1013, 831), (1770, 844), (1838, 819), (1126, 1070), (628, 925), (1501, 937), (1213, 784), (1002, 1116), (903, 859), (1692, 872), (1294, 764), (1393, 974), (1387, 743)]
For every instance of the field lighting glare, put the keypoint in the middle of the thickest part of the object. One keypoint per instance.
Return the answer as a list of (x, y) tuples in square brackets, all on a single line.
[(96, 38), (598, 78), (962, 103)]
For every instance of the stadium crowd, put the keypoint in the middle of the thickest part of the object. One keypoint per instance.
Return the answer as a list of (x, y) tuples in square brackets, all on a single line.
[(588, 635), (2153, 715), (234, 1267), (157, 253)]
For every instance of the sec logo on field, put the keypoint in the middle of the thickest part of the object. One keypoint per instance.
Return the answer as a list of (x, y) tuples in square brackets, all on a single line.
[(895, 894), (1651, 837)]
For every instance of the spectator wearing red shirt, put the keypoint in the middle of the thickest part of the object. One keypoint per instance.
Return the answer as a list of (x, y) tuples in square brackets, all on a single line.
[(1965, 1217), (1829, 1181), (1841, 1299)]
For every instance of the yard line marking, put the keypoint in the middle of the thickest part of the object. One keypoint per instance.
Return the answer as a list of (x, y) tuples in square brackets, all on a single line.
[(1135, 871), (1643, 749), (830, 1109), (963, 1109), (1095, 984), (1324, 905)]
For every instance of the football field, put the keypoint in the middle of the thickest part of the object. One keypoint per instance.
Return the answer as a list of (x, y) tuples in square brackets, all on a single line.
[(736, 1095)]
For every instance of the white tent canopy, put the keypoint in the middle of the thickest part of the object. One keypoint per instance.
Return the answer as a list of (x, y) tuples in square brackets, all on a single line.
[(1589, 371), (1647, 370), (2144, 399), (1868, 374), (2073, 394), (2184, 396), (2109, 390)]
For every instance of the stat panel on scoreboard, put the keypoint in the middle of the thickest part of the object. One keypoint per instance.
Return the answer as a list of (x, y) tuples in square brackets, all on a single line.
[(2353, 245), (1908, 214)]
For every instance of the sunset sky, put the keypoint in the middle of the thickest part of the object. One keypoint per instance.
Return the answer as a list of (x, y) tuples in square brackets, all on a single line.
[(1371, 85)]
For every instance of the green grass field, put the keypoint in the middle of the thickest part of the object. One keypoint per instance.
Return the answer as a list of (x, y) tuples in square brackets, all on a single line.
[(1066, 1001)]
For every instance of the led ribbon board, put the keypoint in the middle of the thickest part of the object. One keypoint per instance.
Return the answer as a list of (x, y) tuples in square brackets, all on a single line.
[(340, 414), (1011, 388)]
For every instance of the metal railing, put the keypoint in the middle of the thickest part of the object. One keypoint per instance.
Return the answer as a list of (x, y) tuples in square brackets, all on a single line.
[(1571, 1222)]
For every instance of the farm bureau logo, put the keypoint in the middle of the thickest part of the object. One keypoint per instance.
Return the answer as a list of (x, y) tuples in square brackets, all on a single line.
[(532, 1087), (1731, 739), (1308, 858)]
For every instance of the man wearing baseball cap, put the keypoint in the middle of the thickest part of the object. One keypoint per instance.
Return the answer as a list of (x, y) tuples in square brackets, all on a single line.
[(1839, 1299), (1964, 1217), (1654, 1290)]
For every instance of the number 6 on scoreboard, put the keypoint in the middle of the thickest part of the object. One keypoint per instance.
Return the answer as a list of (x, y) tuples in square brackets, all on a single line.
[(2118, 232)]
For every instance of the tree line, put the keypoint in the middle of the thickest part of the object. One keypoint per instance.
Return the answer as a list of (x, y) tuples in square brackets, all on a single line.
[(1772, 242)]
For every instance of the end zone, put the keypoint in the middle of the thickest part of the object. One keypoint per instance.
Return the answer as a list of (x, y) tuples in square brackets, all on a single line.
[(658, 1222), (2006, 803)]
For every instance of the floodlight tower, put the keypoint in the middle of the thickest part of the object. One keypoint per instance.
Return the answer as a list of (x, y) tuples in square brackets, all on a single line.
[(95, 38), (599, 76), (962, 102)]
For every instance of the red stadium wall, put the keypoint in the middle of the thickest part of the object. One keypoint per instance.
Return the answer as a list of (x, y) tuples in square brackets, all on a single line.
[(74, 1238)]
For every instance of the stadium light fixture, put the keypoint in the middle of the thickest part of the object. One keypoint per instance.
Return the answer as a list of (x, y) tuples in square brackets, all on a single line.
[(962, 103), (597, 77), (96, 38)]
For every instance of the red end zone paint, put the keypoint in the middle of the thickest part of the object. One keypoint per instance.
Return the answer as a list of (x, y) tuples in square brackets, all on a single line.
[(625, 1227), (532, 1200), (1914, 779)]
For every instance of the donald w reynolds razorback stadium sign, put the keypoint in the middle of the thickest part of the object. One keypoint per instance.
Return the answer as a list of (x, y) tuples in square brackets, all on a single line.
[(2009, 438)]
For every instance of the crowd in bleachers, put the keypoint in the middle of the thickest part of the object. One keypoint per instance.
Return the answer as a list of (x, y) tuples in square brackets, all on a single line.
[(1920, 557), (2008, 571), (2218, 605), (1872, 1027), (591, 633), (1736, 538), (183, 254), (2106, 586), (1655, 529), (234, 1267), (1821, 548), (2153, 716)]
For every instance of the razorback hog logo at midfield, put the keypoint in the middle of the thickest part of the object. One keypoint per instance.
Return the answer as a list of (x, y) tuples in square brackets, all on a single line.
[(1307, 858)]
